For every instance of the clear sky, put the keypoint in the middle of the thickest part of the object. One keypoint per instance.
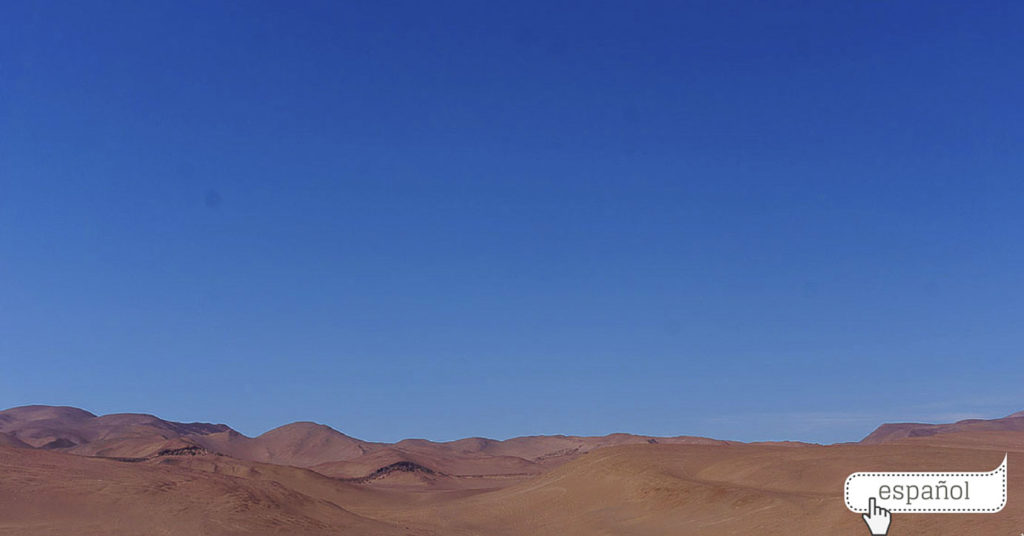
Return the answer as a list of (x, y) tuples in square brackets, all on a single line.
[(443, 219)]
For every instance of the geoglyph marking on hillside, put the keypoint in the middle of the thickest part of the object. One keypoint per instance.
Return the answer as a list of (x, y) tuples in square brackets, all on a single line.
[(928, 493)]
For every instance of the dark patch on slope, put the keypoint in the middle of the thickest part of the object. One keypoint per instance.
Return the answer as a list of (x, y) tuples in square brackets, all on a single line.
[(397, 467), (192, 450), (60, 443), (183, 451)]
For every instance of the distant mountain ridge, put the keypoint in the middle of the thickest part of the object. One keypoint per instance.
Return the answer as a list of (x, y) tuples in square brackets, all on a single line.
[(78, 431), (334, 454), (300, 444), (897, 431)]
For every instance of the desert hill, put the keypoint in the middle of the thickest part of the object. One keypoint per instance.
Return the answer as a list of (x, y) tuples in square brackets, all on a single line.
[(471, 462), (77, 431), (635, 489), (896, 431), (302, 444), (44, 492), (732, 489), (65, 471)]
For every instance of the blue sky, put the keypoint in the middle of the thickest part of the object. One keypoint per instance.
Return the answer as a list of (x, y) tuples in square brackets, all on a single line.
[(416, 219)]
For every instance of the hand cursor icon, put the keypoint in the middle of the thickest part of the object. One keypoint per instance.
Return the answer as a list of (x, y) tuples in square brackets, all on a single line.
[(877, 518)]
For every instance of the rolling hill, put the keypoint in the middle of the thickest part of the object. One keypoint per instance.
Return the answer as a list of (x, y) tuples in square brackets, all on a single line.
[(57, 477)]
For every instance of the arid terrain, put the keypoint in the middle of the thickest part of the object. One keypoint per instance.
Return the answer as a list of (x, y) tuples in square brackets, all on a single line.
[(66, 471)]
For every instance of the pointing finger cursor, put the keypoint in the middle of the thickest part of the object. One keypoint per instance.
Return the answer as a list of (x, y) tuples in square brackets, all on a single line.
[(877, 519)]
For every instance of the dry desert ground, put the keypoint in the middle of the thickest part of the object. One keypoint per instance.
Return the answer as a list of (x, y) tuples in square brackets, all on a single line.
[(64, 471)]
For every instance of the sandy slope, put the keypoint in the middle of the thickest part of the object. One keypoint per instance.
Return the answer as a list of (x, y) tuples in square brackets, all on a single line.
[(735, 489), (566, 486), (629, 490), (52, 493)]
